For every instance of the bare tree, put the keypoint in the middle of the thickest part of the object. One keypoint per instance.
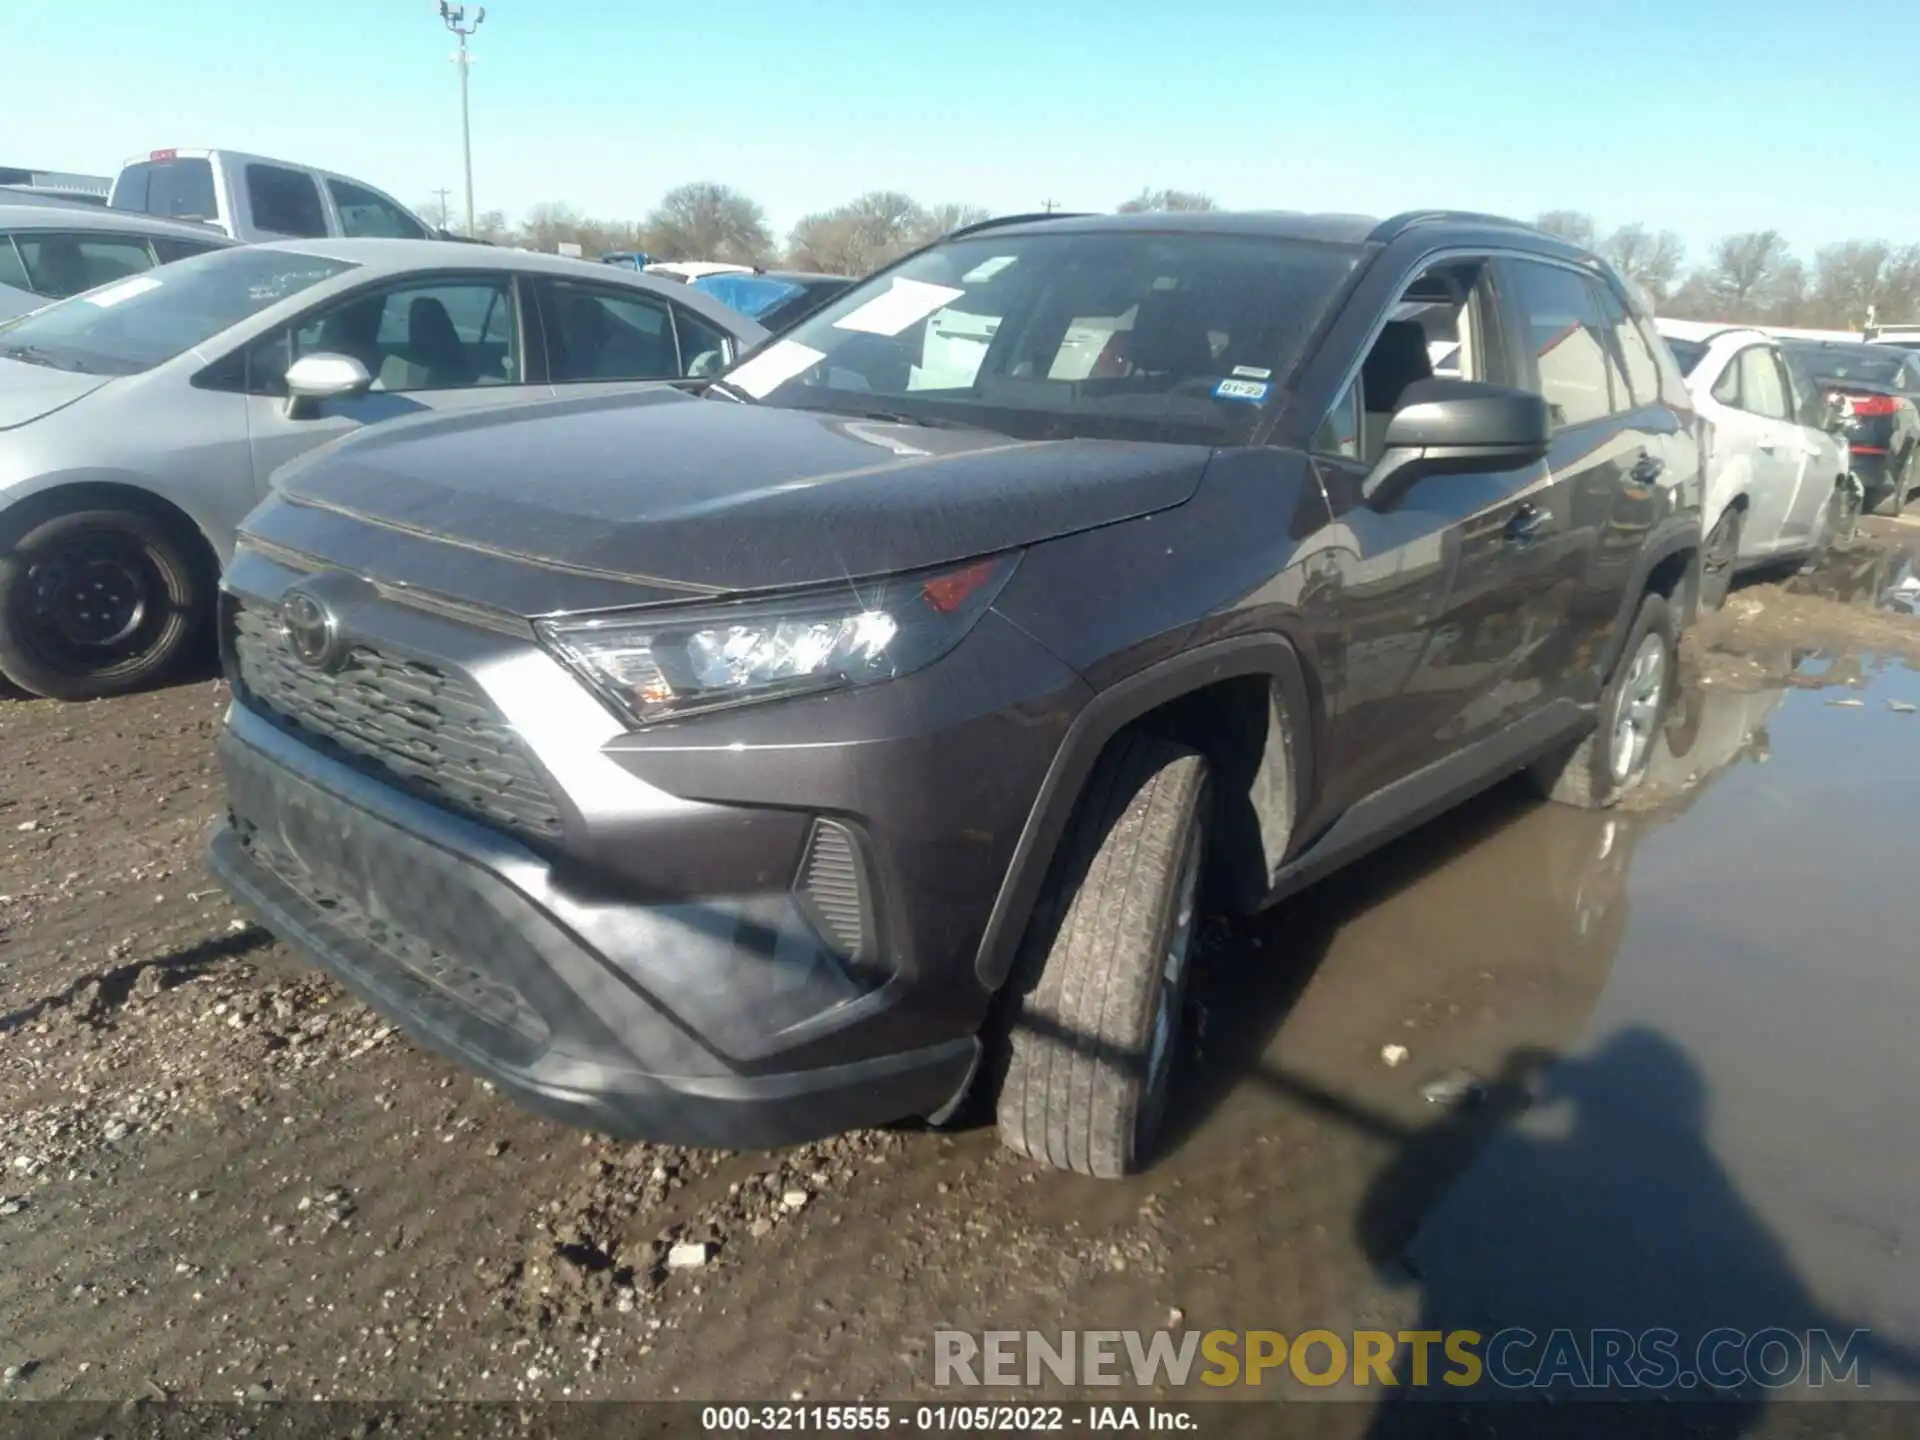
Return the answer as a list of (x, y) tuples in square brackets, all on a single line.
[(1742, 269), (951, 215), (1574, 225), (706, 221), (491, 226), (1167, 200), (1650, 260), (862, 235), (1861, 278)]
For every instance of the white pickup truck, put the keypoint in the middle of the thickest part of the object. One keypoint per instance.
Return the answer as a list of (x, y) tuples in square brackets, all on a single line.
[(253, 198)]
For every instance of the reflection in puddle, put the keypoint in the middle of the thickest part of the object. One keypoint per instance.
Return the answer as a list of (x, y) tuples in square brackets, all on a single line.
[(1870, 578)]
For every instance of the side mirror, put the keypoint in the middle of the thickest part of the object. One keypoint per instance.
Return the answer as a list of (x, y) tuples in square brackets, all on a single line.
[(1462, 426), (313, 378)]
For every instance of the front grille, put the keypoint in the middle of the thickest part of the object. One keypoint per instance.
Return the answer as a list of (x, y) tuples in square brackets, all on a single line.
[(409, 724)]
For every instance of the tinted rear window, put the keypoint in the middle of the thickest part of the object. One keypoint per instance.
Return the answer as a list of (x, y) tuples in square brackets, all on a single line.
[(181, 189), (1865, 363)]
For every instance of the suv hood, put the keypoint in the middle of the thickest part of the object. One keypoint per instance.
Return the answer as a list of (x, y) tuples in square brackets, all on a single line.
[(28, 392), (651, 495)]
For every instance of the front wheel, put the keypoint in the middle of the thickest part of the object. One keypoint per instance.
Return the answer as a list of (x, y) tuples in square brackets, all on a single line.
[(99, 602), (1091, 1050), (1610, 762)]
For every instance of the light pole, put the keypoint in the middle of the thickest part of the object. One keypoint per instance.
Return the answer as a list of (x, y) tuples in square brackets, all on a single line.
[(455, 19)]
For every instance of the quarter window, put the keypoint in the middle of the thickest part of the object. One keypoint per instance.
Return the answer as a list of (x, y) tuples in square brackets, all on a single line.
[(12, 271), (1577, 373), (286, 202)]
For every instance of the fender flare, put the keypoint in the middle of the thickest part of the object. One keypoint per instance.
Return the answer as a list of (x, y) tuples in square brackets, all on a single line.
[(1109, 712), (1674, 540)]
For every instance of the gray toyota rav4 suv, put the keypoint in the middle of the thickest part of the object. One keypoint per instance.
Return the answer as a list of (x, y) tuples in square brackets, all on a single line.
[(865, 730)]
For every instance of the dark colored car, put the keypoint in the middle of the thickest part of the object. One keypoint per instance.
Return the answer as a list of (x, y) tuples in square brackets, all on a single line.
[(1878, 387), (739, 767), (778, 299)]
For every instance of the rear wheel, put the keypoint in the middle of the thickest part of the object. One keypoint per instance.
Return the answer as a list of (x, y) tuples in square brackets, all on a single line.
[(1605, 766), (1719, 557), (1093, 1041), (99, 602)]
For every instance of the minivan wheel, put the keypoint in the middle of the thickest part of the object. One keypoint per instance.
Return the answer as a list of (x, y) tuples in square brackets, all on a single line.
[(1092, 1045), (98, 602), (1719, 557), (1613, 759)]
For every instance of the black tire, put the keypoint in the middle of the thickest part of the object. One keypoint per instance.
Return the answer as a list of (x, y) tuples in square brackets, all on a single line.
[(1719, 557), (1585, 776), (1080, 1090), (100, 602)]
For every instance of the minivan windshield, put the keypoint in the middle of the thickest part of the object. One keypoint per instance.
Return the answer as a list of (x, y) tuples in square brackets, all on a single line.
[(146, 320), (1123, 334)]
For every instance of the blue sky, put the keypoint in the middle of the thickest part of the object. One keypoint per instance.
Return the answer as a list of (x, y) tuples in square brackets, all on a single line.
[(1708, 116)]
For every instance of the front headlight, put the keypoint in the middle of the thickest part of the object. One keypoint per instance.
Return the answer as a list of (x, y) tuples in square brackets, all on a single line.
[(667, 661)]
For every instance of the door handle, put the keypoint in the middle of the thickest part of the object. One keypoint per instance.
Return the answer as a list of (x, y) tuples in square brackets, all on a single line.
[(1527, 522), (1647, 469)]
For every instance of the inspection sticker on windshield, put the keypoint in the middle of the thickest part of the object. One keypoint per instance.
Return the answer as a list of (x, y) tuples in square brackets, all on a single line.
[(125, 290), (772, 368), (1252, 372), (1249, 390), (906, 302)]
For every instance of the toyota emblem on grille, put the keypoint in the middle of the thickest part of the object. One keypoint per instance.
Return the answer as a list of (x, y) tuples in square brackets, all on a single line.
[(310, 629)]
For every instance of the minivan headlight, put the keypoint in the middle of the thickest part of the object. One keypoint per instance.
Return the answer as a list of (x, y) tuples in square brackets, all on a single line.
[(667, 661)]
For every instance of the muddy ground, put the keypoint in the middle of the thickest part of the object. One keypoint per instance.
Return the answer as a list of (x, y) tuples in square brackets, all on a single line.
[(221, 1178)]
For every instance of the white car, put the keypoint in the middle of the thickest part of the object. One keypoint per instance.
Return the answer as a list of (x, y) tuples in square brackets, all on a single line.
[(1779, 481)]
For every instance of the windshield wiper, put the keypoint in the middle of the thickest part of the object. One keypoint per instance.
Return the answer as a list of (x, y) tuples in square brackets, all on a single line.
[(34, 355), (730, 390), (901, 417)]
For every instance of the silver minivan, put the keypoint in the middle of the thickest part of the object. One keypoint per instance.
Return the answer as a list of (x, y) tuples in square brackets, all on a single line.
[(253, 198)]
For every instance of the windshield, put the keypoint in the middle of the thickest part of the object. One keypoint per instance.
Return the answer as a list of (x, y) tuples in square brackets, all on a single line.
[(1688, 353), (1866, 363), (138, 323), (1119, 334), (751, 295)]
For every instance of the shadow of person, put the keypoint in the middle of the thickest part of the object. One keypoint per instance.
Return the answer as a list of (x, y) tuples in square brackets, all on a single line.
[(1603, 1253)]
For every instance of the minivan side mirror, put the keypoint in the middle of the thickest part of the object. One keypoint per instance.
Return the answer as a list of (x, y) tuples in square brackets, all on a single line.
[(325, 376), (1459, 425)]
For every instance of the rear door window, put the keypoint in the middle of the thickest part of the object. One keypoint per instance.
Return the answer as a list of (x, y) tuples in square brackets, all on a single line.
[(59, 263), (1763, 389), (596, 334), (364, 212), (286, 202)]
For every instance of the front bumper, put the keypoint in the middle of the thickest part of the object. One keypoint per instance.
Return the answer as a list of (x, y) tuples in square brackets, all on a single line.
[(576, 1004)]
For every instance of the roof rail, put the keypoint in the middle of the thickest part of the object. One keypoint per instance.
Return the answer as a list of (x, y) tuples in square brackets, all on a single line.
[(1399, 224), (997, 221)]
